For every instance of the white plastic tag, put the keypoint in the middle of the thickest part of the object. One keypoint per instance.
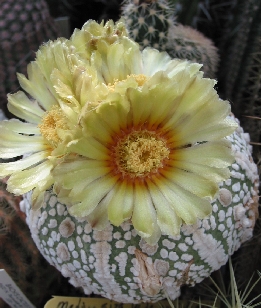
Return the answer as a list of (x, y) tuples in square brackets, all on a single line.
[(11, 294)]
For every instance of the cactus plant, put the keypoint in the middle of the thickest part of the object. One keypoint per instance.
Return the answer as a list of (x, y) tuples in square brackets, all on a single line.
[(24, 26), (152, 23), (131, 198), (118, 264), (149, 22), (240, 73)]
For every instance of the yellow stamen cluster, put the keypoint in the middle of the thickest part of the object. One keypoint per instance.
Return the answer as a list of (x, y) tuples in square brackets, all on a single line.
[(51, 122), (140, 80), (141, 153)]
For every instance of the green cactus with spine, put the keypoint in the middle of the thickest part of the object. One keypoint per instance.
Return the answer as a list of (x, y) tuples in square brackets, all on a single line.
[(149, 22), (152, 23)]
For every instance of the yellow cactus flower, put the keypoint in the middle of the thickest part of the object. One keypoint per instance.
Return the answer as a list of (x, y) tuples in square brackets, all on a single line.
[(127, 134), (50, 115)]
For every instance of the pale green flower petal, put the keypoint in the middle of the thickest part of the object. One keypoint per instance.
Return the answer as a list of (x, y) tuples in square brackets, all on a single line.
[(187, 205), (112, 115), (21, 106), (197, 94), (120, 206), (79, 173), (84, 40), (13, 144), (93, 126), (22, 164), (38, 197), (41, 92), (150, 110), (91, 196), (20, 127), (211, 173), (214, 154), (55, 54), (88, 147), (144, 216), (192, 182), (167, 218), (154, 61), (212, 133), (216, 112), (65, 91), (22, 182), (98, 218), (155, 236)]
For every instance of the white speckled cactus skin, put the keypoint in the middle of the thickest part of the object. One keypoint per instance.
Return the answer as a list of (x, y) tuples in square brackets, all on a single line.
[(117, 264)]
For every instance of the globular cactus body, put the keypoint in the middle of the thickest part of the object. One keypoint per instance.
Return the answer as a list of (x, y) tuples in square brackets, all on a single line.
[(116, 263)]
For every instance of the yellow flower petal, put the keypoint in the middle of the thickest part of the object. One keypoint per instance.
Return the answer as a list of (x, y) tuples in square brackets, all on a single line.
[(196, 95), (113, 114), (55, 54), (160, 60), (155, 236), (216, 110)]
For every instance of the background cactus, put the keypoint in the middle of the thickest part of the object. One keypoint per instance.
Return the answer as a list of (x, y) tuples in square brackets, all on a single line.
[(235, 28), (240, 71), (149, 22), (152, 23), (24, 26)]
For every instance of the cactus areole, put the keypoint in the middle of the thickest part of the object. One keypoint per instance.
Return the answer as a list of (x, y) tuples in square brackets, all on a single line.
[(136, 177)]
